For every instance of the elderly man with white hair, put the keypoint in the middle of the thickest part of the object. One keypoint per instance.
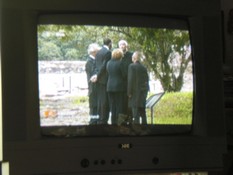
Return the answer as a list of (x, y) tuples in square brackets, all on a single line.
[(138, 87), (125, 62), (92, 92)]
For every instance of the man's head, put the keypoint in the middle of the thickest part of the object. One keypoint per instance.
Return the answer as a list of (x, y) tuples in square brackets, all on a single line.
[(123, 45), (93, 49), (108, 42), (137, 56)]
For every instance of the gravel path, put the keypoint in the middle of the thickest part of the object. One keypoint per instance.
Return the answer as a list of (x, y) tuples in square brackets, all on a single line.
[(61, 110)]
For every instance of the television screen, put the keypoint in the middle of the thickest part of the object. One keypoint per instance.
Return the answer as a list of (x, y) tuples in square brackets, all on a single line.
[(69, 56)]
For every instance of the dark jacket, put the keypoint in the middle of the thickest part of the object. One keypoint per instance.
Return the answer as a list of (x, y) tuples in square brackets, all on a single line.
[(102, 57), (90, 68), (126, 61), (138, 85), (115, 76)]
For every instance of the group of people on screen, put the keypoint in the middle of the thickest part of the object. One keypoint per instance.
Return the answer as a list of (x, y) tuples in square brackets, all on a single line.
[(118, 84)]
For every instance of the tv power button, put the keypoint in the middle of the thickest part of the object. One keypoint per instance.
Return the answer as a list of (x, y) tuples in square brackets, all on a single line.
[(85, 163)]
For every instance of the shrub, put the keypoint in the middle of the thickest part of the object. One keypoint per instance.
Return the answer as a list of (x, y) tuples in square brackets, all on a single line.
[(174, 108), (80, 100)]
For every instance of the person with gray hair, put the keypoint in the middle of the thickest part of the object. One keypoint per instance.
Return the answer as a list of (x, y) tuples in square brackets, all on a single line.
[(138, 87), (125, 62), (93, 48), (90, 70)]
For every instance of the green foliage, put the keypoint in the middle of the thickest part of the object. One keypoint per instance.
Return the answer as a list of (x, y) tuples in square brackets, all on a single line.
[(49, 51), (174, 108), (80, 100), (71, 54), (167, 54)]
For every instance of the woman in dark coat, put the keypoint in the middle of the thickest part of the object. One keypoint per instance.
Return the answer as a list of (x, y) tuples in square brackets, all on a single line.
[(138, 87), (115, 85)]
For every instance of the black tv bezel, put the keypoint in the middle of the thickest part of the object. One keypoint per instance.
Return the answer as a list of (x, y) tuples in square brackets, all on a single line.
[(115, 19)]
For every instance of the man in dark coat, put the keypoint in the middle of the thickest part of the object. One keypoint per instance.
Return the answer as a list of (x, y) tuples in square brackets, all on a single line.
[(138, 87), (125, 62), (90, 70), (101, 77)]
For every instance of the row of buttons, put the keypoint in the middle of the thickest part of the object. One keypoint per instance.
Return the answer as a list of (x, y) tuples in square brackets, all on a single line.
[(85, 162)]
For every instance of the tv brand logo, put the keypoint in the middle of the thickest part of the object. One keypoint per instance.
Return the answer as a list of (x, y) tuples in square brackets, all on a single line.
[(125, 146)]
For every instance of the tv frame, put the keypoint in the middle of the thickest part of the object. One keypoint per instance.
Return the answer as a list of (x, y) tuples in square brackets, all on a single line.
[(28, 152)]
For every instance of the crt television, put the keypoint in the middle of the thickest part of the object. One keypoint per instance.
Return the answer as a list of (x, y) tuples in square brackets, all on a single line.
[(32, 145)]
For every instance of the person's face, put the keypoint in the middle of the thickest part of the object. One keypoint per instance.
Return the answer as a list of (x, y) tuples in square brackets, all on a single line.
[(123, 47), (94, 53)]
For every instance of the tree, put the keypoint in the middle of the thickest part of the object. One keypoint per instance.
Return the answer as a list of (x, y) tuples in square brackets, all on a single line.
[(49, 51), (167, 53)]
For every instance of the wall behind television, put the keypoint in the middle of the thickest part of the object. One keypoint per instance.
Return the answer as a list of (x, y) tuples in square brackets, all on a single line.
[(227, 5)]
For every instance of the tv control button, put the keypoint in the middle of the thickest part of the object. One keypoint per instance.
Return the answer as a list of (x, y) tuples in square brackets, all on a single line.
[(155, 160), (119, 161), (96, 162), (102, 162), (113, 161), (85, 163)]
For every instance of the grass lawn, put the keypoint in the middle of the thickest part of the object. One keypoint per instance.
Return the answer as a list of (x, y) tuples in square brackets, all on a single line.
[(173, 108)]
